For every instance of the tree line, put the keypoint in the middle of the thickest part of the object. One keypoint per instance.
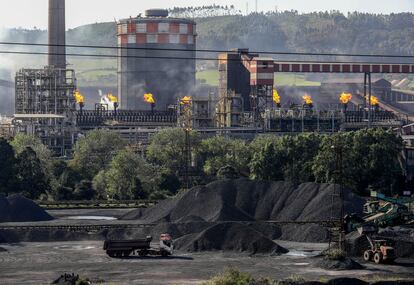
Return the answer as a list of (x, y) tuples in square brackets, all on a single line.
[(106, 167)]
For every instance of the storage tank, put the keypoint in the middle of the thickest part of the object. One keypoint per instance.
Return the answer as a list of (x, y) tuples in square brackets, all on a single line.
[(149, 62)]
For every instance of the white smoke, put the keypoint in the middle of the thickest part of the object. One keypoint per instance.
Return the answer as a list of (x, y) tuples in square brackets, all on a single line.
[(106, 101)]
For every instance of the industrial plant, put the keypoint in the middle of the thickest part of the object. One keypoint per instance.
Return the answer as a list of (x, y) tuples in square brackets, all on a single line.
[(166, 179), (157, 69)]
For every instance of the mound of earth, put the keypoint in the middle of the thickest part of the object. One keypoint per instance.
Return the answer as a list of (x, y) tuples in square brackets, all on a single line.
[(247, 200), (229, 236), (17, 208), (341, 264)]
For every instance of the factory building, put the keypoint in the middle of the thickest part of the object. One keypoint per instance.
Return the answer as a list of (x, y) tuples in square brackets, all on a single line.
[(157, 56), (246, 85), (44, 102)]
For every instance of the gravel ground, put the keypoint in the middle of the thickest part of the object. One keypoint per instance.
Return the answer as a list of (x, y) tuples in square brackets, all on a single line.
[(40, 263)]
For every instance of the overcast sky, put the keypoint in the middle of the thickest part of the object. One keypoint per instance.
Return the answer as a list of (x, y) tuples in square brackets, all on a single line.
[(30, 13)]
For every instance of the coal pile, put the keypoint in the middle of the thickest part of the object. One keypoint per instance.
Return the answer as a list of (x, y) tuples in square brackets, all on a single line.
[(252, 201), (246, 200), (229, 236), (17, 208), (341, 264)]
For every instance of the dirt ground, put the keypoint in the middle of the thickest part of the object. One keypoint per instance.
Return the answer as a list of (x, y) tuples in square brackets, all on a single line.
[(40, 263)]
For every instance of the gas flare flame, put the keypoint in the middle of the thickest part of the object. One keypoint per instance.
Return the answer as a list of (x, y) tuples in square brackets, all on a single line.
[(308, 100), (276, 97), (374, 101), (78, 97), (112, 98), (149, 98), (186, 100), (345, 98)]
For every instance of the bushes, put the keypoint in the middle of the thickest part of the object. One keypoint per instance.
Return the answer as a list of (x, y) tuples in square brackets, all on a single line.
[(230, 276), (334, 254)]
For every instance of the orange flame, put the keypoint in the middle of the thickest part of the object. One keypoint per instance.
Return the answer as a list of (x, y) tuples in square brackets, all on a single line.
[(276, 97), (78, 97), (112, 98), (186, 100), (345, 98), (374, 100), (149, 98), (308, 100)]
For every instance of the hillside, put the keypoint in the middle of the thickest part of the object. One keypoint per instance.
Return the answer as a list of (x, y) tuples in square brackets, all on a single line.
[(330, 32), (285, 31)]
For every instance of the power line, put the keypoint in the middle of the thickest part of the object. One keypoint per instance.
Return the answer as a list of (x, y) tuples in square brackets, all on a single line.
[(189, 58), (207, 50)]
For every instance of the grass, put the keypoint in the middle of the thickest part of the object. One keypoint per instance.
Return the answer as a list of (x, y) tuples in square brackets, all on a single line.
[(231, 276), (211, 77), (292, 79), (334, 254)]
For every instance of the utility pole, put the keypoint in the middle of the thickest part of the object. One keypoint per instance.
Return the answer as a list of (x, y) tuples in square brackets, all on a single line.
[(368, 97), (338, 178), (185, 105), (257, 6)]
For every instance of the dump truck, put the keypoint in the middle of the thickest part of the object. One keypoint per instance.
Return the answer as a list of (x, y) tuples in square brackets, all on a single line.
[(141, 247)]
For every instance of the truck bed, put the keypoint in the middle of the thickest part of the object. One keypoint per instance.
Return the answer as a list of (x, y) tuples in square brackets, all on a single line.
[(127, 244)]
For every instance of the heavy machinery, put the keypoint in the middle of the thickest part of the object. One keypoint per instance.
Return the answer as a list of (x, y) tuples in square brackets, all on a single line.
[(142, 247), (382, 212), (385, 211), (380, 251)]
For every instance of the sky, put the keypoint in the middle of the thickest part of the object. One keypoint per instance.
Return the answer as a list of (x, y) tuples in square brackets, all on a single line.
[(31, 13)]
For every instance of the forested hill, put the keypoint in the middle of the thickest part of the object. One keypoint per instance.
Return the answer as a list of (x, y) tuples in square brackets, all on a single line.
[(315, 32)]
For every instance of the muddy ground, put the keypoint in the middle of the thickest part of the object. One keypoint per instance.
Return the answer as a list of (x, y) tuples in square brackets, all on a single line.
[(40, 263)]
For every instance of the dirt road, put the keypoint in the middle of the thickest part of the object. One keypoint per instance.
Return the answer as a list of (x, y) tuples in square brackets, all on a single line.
[(40, 263)]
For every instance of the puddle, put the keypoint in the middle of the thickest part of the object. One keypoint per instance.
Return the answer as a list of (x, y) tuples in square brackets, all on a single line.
[(91, 218), (297, 253)]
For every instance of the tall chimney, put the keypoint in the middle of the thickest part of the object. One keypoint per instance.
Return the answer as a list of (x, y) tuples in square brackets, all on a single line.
[(57, 34)]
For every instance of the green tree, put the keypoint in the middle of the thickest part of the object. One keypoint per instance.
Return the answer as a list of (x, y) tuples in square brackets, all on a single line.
[(100, 185), (21, 141), (366, 158), (169, 182), (288, 157), (219, 151), (168, 147), (298, 154), (267, 164), (131, 177), (84, 190), (7, 165), (31, 179), (95, 151)]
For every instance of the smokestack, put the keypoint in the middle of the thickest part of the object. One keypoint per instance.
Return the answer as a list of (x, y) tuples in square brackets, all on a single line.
[(57, 34)]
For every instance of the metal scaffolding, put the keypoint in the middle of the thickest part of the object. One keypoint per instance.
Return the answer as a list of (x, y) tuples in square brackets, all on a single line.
[(45, 106)]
